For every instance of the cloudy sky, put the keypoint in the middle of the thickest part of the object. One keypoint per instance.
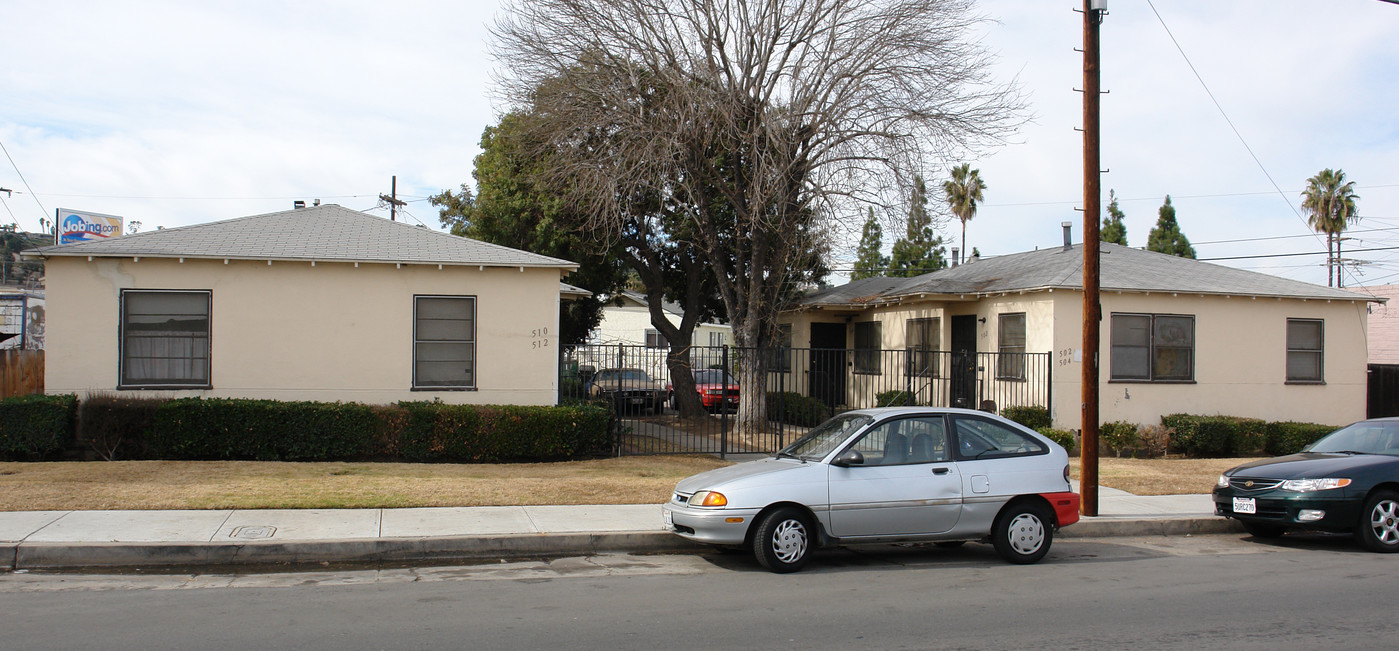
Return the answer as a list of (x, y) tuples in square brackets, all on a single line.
[(177, 113)]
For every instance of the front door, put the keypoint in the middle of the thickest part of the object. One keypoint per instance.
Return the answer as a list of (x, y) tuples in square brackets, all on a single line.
[(962, 384), (908, 484), (828, 363)]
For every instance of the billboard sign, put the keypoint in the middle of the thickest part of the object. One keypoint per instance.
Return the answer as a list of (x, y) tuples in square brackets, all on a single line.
[(80, 226)]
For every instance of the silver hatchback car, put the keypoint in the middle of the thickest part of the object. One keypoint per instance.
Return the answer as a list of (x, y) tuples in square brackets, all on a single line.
[(886, 475)]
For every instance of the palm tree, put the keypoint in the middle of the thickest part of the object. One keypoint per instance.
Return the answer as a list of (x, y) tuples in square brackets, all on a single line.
[(963, 191), (1329, 202)]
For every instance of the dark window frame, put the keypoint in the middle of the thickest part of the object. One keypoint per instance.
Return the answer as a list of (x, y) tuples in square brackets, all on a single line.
[(1010, 358), (780, 355), (1153, 348), (922, 358), (474, 383), (1319, 352), (656, 339), (867, 356), (123, 340)]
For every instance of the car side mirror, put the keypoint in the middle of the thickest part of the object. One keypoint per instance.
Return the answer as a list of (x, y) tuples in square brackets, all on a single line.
[(849, 458)]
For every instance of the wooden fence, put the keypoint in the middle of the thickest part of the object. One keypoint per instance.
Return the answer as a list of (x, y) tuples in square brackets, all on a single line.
[(21, 372)]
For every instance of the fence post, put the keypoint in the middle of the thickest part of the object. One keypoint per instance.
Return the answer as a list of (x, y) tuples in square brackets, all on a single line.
[(724, 413)]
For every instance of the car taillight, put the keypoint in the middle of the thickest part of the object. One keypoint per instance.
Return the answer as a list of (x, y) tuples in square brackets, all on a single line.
[(1066, 472)]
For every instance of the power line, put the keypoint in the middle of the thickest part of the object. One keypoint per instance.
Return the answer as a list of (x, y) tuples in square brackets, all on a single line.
[(45, 211), (1075, 202)]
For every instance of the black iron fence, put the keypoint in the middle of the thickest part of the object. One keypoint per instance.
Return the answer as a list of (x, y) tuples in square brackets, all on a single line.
[(803, 386)]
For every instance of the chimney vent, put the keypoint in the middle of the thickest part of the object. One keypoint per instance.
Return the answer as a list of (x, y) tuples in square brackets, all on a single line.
[(298, 204), (955, 256), (1068, 235)]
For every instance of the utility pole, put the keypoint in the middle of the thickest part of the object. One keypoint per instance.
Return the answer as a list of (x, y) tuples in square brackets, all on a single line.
[(1093, 11), (392, 200)]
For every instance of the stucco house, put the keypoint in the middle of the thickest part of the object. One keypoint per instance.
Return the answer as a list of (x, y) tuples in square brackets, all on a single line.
[(1177, 335), (626, 337), (319, 303), (1383, 324)]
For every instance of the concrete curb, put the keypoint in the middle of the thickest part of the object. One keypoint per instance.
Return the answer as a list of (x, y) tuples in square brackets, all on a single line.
[(53, 556), (48, 555)]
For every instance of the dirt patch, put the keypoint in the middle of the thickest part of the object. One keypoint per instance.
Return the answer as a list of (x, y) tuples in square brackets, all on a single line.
[(1159, 476)]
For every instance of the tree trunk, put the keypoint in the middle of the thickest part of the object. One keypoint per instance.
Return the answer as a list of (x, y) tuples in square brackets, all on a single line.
[(682, 381)]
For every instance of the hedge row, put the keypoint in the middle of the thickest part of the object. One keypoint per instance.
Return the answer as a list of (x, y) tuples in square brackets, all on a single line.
[(1227, 436), (267, 430), (796, 409), (36, 426)]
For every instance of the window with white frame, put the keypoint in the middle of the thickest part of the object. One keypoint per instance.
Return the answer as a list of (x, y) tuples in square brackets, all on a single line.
[(1305, 345), (444, 342), (164, 339), (867, 342), (922, 338), (716, 338), (654, 339), (1010, 363), (1153, 347)]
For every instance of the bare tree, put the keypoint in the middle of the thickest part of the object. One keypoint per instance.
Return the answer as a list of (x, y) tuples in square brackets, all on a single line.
[(768, 117)]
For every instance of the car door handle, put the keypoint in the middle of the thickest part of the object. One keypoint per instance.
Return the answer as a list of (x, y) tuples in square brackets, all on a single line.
[(939, 471)]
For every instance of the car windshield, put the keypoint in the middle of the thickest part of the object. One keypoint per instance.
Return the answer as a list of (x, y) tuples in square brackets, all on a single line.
[(622, 375), (1365, 437), (712, 376), (826, 437)]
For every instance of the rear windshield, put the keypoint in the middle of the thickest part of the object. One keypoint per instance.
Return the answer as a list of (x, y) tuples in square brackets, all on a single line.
[(713, 376)]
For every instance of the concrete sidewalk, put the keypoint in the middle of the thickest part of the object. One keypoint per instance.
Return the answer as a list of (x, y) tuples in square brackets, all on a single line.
[(68, 539)]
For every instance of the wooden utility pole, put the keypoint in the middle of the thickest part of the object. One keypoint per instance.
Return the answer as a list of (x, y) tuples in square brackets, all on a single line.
[(1093, 11), (392, 200)]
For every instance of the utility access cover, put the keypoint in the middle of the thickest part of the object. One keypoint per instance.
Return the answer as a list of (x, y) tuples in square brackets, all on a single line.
[(253, 533)]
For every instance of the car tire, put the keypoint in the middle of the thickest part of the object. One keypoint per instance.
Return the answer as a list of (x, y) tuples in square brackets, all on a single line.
[(1022, 533), (1378, 529), (1263, 529), (783, 540)]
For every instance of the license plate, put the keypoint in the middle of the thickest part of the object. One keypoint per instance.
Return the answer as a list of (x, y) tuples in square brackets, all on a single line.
[(668, 519), (637, 401), (1245, 505)]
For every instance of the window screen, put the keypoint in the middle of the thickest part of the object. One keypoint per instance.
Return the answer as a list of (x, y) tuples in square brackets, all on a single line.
[(444, 342), (164, 339)]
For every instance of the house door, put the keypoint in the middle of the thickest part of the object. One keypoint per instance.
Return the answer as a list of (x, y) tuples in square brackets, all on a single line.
[(962, 384), (827, 372)]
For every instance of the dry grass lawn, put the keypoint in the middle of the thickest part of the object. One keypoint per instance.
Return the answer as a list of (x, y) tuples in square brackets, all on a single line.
[(1158, 476), (260, 485)]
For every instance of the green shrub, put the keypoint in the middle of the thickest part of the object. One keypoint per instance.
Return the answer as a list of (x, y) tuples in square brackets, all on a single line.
[(1063, 437), (1216, 436), (1289, 437), (36, 426), (1033, 416), (264, 430), (116, 427), (796, 409), (895, 398), (1118, 435), (434, 431)]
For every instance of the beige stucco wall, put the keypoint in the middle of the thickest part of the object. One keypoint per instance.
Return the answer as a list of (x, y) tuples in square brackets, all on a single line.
[(293, 331), (1240, 361)]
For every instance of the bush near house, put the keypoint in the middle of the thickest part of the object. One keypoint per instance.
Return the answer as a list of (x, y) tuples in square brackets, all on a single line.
[(1289, 438), (269, 430), (796, 409), (895, 398), (1033, 417), (36, 426), (1119, 435), (1063, 437), (1227, 436)]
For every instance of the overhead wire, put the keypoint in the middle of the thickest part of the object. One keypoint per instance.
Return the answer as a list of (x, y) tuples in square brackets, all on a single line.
[(43, 210)]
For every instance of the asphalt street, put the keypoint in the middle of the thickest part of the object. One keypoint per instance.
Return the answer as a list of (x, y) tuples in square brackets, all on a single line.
[(1228, 591)]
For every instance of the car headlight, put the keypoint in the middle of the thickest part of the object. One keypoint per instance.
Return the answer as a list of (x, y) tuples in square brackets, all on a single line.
[(1309, 485), (1222, 482), (708, 498)]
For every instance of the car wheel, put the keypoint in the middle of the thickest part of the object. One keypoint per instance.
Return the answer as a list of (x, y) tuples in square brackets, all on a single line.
[(1378, 530), (1023, 533), (950, 544), (1263, 529), (783, 540)]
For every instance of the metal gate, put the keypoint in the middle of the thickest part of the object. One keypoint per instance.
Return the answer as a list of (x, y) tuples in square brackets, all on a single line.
[(803, 387)]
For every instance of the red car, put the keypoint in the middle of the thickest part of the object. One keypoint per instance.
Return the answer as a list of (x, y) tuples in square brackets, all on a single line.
[(717, 389)]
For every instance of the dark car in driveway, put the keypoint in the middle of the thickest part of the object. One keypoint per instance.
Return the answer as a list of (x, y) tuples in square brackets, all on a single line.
[(1345, 482)]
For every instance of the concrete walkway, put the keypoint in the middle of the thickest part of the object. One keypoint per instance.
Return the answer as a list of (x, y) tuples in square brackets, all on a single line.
[(68, 539)]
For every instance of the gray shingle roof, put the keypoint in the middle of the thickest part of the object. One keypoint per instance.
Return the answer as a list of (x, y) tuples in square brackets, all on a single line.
[(1121, 269), (327, 233)]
